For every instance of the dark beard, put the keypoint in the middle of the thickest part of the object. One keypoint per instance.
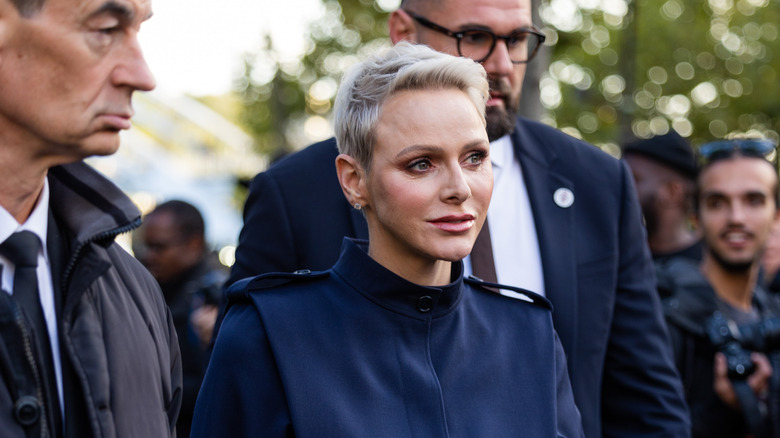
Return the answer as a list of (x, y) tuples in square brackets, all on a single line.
[(731, 267), (501, 121)]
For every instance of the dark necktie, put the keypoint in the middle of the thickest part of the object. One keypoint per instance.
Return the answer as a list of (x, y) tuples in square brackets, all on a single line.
[(22, 250), (482, 264)]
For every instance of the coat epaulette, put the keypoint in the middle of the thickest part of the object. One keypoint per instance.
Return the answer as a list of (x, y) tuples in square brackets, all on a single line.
[(240, 290), (510, 291)]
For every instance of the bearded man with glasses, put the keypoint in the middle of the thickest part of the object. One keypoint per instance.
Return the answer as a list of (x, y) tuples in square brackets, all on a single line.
[(564, 221)]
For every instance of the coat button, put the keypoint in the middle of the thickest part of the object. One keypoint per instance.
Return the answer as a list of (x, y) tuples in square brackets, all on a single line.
[(27, 410), (425, 304)]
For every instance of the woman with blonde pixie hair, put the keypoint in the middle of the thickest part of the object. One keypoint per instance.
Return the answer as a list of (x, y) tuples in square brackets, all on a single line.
[(393, 341)]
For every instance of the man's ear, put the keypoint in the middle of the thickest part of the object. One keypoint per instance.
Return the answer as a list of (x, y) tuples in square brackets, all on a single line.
[(196, 244), (400, 26), (352, 179), (672, 192)]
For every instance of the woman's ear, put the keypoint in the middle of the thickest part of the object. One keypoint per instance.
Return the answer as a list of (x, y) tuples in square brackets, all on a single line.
[(401, 27), (352, 179)]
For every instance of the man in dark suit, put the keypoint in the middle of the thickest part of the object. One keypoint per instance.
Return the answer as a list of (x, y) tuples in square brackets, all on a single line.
[(564, 219)]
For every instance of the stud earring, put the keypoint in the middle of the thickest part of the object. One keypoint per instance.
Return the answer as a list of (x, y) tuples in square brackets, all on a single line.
[(357, 206)]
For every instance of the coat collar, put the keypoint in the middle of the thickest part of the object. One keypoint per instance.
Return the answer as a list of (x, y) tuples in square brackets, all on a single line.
[(88, 205), (88, 209), (388, 290)]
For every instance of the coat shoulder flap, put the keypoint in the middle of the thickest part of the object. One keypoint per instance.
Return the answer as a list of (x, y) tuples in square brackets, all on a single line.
[(242, 290), (509, 291)]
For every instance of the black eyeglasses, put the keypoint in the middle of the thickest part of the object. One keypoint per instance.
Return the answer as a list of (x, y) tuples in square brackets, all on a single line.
[(478, 44), (752, 147)]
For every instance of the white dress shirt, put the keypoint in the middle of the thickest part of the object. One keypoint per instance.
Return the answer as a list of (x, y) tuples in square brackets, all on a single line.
[(512, 228), (37, 223)]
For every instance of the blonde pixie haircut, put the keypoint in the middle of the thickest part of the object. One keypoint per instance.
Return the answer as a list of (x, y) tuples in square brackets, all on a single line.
[(368, 85)]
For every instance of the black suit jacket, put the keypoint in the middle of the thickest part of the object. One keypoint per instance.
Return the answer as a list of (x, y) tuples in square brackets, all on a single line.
[(597, 268)]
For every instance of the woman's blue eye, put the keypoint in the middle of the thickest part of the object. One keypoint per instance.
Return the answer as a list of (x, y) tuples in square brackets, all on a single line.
[(420, 165), (476, 157)]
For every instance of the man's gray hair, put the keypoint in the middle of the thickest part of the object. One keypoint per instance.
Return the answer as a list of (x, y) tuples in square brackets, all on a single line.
[(367, 86)]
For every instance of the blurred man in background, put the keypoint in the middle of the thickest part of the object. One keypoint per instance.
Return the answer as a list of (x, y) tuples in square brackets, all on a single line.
[(730, 373), (664, 170), (174, 250), (770, 262)]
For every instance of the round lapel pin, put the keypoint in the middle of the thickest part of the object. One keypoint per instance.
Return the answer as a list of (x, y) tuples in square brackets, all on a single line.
[(563, 197)]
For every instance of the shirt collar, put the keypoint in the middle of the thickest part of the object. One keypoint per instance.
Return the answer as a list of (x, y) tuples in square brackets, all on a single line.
[(38, 221), (501, 153)]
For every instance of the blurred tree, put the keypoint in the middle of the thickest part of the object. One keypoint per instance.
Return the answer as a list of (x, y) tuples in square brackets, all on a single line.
[(288, 103), (530, 104), (638, 68), (612, 69)]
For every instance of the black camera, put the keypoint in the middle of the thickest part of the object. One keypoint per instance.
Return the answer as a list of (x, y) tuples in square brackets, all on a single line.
[(736, 342)]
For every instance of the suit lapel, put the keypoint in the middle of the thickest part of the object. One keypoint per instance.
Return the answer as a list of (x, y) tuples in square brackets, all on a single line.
[(554, 228)]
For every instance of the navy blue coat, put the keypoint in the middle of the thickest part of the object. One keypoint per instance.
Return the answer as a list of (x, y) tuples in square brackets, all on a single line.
[(357, 351), (598, 273)]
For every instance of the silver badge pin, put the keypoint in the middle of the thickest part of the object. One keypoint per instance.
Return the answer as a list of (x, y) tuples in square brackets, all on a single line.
[(563, 197)]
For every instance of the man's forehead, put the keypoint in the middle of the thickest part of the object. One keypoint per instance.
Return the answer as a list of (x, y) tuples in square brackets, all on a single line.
[(737, 176), (735, 191), (495, 14)]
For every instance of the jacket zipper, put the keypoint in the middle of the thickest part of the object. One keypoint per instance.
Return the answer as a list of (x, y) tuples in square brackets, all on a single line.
[(19, 320)]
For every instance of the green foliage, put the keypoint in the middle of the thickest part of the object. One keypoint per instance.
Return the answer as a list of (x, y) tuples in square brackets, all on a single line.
[(617, 69), (706, 69), (283, 100)]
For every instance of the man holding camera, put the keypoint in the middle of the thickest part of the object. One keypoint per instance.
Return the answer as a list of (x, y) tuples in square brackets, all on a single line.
[(717, 313)]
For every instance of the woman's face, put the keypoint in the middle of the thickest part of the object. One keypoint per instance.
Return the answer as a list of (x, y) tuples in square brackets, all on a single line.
[(430, 181)]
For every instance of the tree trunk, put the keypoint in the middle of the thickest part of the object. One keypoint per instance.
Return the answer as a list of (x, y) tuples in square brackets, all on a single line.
[(530, 99)]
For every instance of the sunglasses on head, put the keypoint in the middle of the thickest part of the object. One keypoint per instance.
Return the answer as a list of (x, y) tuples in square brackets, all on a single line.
[(751, 147)]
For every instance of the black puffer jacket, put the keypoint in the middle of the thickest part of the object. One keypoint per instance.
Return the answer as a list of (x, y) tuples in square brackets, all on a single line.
[(116, 333), (689, 302)]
